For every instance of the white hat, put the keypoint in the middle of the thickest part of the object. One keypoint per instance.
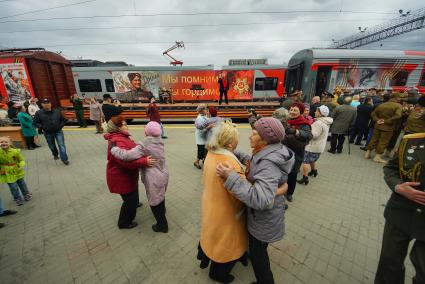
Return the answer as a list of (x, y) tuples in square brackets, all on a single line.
[(324, 110)]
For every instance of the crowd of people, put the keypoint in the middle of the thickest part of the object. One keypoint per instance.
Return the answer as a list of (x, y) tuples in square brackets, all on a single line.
[(244, 195)]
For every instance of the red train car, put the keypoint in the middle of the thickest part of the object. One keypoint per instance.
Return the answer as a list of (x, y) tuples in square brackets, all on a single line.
[(37, 73)]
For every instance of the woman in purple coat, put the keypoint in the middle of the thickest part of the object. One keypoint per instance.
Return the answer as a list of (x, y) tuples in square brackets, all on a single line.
[(154, 178)]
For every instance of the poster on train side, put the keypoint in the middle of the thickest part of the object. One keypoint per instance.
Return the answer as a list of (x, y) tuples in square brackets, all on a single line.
[(15, 83), (183, 85)]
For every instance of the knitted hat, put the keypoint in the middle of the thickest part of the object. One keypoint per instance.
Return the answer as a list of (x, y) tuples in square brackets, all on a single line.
[(213, 111), (300, 106), (153, 129), (324, 110), (270, 129)]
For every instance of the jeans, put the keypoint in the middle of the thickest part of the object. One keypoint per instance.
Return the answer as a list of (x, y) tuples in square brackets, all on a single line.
[(15, 186), (162, 131), (1, 206), (260, 260), (369, 137), (60, 139)]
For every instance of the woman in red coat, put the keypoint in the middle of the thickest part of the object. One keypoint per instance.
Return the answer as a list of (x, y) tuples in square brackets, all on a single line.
[(122, 177)]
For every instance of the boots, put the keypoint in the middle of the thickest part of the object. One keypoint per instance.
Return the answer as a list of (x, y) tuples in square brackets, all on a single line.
[(379, 159), (367, 154), (161, 221), (304, 180), (313, 173)]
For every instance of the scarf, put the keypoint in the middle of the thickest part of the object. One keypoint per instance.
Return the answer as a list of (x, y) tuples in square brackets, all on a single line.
[(112, 127), (296, 122)]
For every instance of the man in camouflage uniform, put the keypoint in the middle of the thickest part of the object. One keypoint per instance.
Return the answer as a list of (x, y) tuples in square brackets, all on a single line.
[(385, 116)]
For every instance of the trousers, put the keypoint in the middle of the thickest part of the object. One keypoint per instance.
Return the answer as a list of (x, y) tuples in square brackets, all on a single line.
[(337, 142), (260, 261), (128, 208), (395, 244), (380, 140)]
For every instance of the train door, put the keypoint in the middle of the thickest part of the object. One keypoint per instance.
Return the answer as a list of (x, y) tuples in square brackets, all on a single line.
[(322, 79), (294, 78)]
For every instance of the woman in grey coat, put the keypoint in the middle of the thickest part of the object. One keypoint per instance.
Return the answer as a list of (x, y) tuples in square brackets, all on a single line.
[(267, 170)]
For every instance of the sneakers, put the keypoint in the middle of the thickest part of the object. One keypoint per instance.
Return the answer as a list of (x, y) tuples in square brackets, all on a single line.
[(28, 196), (19, 202)]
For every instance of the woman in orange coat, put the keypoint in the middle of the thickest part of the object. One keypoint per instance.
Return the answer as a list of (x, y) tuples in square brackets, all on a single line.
[(224, 237)]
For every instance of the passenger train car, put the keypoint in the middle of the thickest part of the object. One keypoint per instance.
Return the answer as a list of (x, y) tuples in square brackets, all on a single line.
[(187, 84), (316, 70)]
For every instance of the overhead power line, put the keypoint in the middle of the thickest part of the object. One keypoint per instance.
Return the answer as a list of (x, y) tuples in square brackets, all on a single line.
[(47, 9), (173, 26), (199, 14)]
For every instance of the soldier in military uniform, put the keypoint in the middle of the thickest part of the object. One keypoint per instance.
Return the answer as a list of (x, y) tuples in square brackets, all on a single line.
[(79, 110), (404, 213), (416, 120), (385, 116)]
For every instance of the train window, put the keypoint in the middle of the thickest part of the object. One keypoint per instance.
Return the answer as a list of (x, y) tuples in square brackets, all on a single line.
[(266, 84), (400, 79), (109, 83), (422, 81), (90, 85)]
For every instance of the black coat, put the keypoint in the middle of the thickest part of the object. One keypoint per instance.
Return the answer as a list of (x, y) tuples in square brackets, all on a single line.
[(363, 115), (50, 121), (297, 143), (401, 212)]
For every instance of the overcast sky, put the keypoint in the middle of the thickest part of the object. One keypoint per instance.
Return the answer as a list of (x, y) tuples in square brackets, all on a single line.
[(128, 38)]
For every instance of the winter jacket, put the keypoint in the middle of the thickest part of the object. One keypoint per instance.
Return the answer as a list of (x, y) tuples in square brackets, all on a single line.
[(319, 130), (200, 131), (363, 115), (153, 112), (96, 113), (297, 143), (391, 113), (344, 117), (27, 125), (122, 177), (416, 121), (50, 121), (110, 110), (154, 178), (224, 236), (268, 169), (11, 165)]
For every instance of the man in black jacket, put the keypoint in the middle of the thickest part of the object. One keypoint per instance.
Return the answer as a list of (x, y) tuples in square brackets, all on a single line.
[(109, 110), (52, 122), (404, 213)]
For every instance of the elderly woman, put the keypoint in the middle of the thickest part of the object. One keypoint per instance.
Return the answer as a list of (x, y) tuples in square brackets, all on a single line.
[(122, 177), (267, 169), (224, 238), (320, 131), (297, 137), (200, 134), (96, 114)]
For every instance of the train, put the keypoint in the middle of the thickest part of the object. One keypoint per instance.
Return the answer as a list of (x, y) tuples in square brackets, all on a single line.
[(40, 73)]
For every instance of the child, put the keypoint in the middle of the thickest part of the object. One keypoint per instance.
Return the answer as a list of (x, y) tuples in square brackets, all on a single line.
[(12, 171), (154, 178)]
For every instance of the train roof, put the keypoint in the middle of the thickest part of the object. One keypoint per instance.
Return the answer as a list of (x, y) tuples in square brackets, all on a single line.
[(253, 67), (144, 68), (35, 53), (362, 53)]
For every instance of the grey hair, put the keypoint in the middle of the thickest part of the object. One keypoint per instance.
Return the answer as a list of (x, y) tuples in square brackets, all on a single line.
[(282, 114)]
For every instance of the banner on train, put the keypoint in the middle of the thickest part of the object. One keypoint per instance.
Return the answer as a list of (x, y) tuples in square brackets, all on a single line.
[(184, 85), (14, 80)]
